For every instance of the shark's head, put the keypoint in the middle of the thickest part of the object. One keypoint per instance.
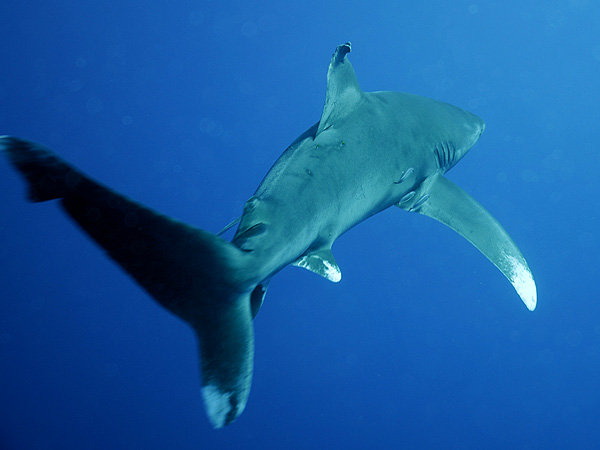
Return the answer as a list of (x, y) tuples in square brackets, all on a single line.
[(474, 127), (459, 133)]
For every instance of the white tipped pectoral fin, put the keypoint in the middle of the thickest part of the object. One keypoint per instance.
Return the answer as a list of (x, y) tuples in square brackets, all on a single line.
[(449, 204), (322, 263), (522, 280)]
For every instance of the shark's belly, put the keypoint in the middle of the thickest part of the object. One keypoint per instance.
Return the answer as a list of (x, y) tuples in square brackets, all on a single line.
[(309, 207), (323, 185)]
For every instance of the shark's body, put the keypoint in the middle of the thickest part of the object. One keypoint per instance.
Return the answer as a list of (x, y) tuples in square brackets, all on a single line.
[(368, 152)]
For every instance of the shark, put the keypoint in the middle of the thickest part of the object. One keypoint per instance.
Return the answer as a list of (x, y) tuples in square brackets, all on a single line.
[(368, 152)]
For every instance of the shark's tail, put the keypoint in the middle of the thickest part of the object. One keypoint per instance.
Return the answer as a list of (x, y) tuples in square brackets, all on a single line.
[(198, 276)]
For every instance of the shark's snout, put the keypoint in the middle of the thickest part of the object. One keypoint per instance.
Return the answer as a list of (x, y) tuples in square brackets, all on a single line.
[(477, 128), (481, 128)]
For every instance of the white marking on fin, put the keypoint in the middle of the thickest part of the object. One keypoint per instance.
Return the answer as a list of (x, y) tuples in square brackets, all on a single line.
[(322, 263), (333, 272), (453, 207), (217, 405), (522, 280)]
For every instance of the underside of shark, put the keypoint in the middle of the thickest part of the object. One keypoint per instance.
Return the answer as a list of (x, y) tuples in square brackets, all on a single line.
[(368, 152)]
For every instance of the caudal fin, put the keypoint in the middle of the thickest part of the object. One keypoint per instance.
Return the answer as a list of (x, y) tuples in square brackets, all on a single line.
[(200, 277)]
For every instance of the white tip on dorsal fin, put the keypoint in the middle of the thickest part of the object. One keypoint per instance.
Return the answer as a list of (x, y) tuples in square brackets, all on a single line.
[(342, 88)]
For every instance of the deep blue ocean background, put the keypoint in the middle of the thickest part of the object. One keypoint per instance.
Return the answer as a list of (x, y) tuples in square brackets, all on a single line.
[(184, 106)]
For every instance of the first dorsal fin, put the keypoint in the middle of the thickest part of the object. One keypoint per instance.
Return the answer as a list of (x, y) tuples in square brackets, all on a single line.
[(342, 88)]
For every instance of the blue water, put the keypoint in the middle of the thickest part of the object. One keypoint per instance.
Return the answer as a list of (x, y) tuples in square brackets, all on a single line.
[(184, 106)]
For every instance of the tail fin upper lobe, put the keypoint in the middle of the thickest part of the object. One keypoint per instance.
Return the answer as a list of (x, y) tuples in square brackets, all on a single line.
[(200, 277)]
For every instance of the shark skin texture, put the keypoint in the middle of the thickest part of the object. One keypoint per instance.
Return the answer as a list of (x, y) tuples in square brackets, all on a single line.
[(368, 152)]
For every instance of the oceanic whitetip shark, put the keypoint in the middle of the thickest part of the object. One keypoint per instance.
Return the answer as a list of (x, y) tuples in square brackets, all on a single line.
[(369, 151)]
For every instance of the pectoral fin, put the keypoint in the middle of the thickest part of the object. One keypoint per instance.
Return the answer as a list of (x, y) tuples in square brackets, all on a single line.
[(322, 263), (455, 208)]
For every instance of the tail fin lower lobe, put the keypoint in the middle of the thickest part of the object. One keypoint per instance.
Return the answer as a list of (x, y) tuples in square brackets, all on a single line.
[(198, 276)]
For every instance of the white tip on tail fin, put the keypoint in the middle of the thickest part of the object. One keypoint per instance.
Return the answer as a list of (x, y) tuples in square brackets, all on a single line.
[(219, 407)]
